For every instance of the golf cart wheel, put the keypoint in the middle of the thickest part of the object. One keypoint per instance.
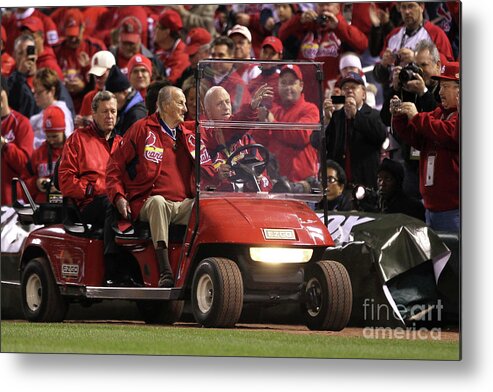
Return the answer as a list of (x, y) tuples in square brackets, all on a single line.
[(217, 293), (41, 298), (329, 296), (160, 312)]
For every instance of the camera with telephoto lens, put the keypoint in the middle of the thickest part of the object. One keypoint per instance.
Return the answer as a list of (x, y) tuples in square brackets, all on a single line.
[(366, 199), (322, 19), (407, 73)]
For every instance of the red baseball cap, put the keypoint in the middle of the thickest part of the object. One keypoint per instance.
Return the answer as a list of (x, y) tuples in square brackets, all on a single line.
[(72, 22), (139, 60), (170, 19), (450, 71), (274, 42), (130, 29), (53, 119), (293, 69), (33, 24), (196, 38)]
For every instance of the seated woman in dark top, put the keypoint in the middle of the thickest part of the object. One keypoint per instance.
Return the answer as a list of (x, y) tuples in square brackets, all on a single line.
[(339, 199)]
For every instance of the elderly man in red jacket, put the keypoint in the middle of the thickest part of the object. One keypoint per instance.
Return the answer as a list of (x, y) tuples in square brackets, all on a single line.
[(151, 175), (82, 175), (436, 135)]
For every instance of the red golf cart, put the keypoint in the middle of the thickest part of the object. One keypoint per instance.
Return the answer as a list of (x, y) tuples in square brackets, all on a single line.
[(247, 244)]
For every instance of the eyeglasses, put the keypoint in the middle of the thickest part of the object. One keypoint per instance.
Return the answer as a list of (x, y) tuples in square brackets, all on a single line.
[(332, 180)]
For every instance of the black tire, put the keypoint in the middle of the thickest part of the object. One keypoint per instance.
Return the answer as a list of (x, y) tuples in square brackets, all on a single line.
[(161, 312), (329, 296), (41, 298), (217, 293)]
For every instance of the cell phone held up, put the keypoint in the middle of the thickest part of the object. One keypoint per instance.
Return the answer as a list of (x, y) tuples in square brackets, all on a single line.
[(31, 51), (338, 99)]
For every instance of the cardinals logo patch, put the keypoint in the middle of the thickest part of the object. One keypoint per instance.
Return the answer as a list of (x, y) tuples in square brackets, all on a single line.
[(151, 152)]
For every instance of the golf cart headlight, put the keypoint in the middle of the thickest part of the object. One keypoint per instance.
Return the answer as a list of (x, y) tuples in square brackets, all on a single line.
[(281, 255)]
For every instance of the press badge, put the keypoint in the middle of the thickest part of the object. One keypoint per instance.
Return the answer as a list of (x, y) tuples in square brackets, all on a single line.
[(430, 170)]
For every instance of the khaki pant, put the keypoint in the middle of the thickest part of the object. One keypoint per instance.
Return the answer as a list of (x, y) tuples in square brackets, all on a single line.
[(160, 213)]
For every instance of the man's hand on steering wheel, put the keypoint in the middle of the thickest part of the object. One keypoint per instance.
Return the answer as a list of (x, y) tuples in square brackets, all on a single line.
[(250, 166)]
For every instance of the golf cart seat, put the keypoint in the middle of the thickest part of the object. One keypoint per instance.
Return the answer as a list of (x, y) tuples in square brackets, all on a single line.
[(34, 213), (73, 224), (126, 231)]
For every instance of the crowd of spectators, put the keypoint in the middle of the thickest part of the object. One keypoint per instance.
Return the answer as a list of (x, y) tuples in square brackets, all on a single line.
[(388, 59)]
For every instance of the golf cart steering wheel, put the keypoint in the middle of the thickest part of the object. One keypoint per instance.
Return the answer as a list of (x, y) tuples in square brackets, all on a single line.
[(250, 166)]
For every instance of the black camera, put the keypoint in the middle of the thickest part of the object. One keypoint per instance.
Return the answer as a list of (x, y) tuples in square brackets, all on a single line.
[(407, 73), (366, 199), (322, 19), (46, 184), (31, 51)]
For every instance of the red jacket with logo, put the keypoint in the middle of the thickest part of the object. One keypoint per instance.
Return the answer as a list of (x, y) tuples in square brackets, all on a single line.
[(435, 134), (17, 131), (323, 45), (134, 167), (83, 164), (41, 169)]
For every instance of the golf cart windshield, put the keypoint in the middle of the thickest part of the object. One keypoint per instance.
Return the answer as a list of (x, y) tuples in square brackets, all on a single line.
[(257, 120)]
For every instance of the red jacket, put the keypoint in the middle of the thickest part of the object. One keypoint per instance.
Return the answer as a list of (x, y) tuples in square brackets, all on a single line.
[(297, 158), (84, 159), (47, 59), (323, 45), (134, 167), (175, 61), (40, 169), (434, 136), (17, 131)]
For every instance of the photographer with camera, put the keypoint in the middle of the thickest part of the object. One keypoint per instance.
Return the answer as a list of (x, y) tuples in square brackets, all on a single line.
[(402, 41), (42, 163), (355, 134), (436, 135), (324, 34), (414, 83)]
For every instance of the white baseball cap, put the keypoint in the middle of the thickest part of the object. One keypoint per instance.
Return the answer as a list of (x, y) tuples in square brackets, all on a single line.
[(101, 62), (243, 30)]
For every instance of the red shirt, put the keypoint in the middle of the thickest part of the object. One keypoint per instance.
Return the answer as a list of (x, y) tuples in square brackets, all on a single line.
[(325, 46), (47, 59), (17, 131), (8, 64), (175, 61), (297, 158)]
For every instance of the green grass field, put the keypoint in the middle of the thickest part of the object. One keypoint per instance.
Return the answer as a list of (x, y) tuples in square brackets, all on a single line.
[(98, 338)]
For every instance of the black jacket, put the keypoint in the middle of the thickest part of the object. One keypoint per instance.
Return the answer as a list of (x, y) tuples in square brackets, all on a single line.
[(133, 110), (367, 134)]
